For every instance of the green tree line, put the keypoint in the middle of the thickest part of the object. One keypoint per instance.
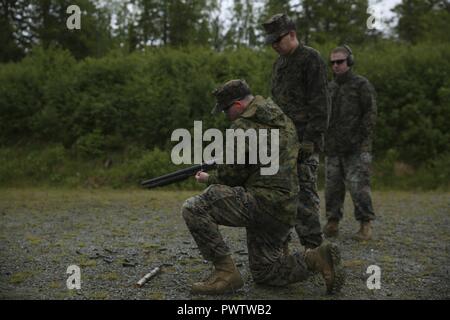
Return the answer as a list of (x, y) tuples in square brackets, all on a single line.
[(73, 102), (96, 107), (131, 25)]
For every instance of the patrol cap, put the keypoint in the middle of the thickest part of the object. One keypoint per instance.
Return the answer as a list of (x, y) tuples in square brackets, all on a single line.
[(277, 26), (229, 92)]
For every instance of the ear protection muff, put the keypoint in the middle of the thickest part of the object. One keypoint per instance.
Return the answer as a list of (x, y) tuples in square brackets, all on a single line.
[(350, 60)]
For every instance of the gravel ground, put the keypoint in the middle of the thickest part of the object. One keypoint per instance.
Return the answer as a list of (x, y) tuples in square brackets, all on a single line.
[(116, 237)]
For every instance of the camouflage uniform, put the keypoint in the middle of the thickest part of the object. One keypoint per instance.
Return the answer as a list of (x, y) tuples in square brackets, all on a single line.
[(348, 146), (299, 87), (239, 196)]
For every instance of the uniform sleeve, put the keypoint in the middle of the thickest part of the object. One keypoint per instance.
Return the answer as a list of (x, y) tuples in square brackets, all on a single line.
[(318, 100), (369, 115), (232, 175)]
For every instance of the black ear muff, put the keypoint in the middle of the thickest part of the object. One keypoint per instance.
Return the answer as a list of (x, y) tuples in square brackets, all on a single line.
[(350, 60)]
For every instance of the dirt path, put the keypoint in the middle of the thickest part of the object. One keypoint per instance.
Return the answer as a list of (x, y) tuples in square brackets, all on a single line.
[(116, 237)]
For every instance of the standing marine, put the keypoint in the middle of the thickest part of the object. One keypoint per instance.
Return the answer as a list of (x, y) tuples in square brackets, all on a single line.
[(299, 87), (348, 146)]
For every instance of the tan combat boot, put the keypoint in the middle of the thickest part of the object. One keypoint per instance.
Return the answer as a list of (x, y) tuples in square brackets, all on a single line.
[(331, 229), (365, 231), (225, 278), (326, 259)]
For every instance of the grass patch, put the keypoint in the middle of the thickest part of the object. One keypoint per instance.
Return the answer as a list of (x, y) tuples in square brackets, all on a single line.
[(156, 296), (55, 166), (33, 240), (148, 246), (353, 263), (55, 285), (87, 263), (20, 277), (387, 259), (99, 295), (110, 276)]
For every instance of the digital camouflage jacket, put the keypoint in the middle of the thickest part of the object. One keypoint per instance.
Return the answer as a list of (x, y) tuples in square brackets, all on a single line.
[(276, 194), (353, 115), (299, 87)]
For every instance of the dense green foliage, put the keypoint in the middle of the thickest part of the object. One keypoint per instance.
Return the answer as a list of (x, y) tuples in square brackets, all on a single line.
[(96, 109), (101, 105), (105, 104), (98, 105)]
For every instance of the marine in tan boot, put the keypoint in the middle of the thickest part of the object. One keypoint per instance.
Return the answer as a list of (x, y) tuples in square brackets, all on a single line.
[(331, 229), (365, 231), (225, 278), (326, 259)]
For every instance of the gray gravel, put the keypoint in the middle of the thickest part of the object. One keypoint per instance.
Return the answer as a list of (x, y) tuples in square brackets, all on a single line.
[(116, 237)]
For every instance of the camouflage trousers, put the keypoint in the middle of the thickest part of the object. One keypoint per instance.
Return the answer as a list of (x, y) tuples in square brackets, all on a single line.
[(352, 172), (234, 207), (307, 223)]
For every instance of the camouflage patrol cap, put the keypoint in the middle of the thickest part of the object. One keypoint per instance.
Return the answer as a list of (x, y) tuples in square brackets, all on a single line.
[(229, 92), (277, 26)]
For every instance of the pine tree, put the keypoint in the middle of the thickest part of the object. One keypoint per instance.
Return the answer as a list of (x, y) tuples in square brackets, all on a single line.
[(423, 20)]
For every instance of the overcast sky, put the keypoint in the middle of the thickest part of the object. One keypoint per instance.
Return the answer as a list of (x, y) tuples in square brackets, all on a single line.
[(381, 8), (382, 12)]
